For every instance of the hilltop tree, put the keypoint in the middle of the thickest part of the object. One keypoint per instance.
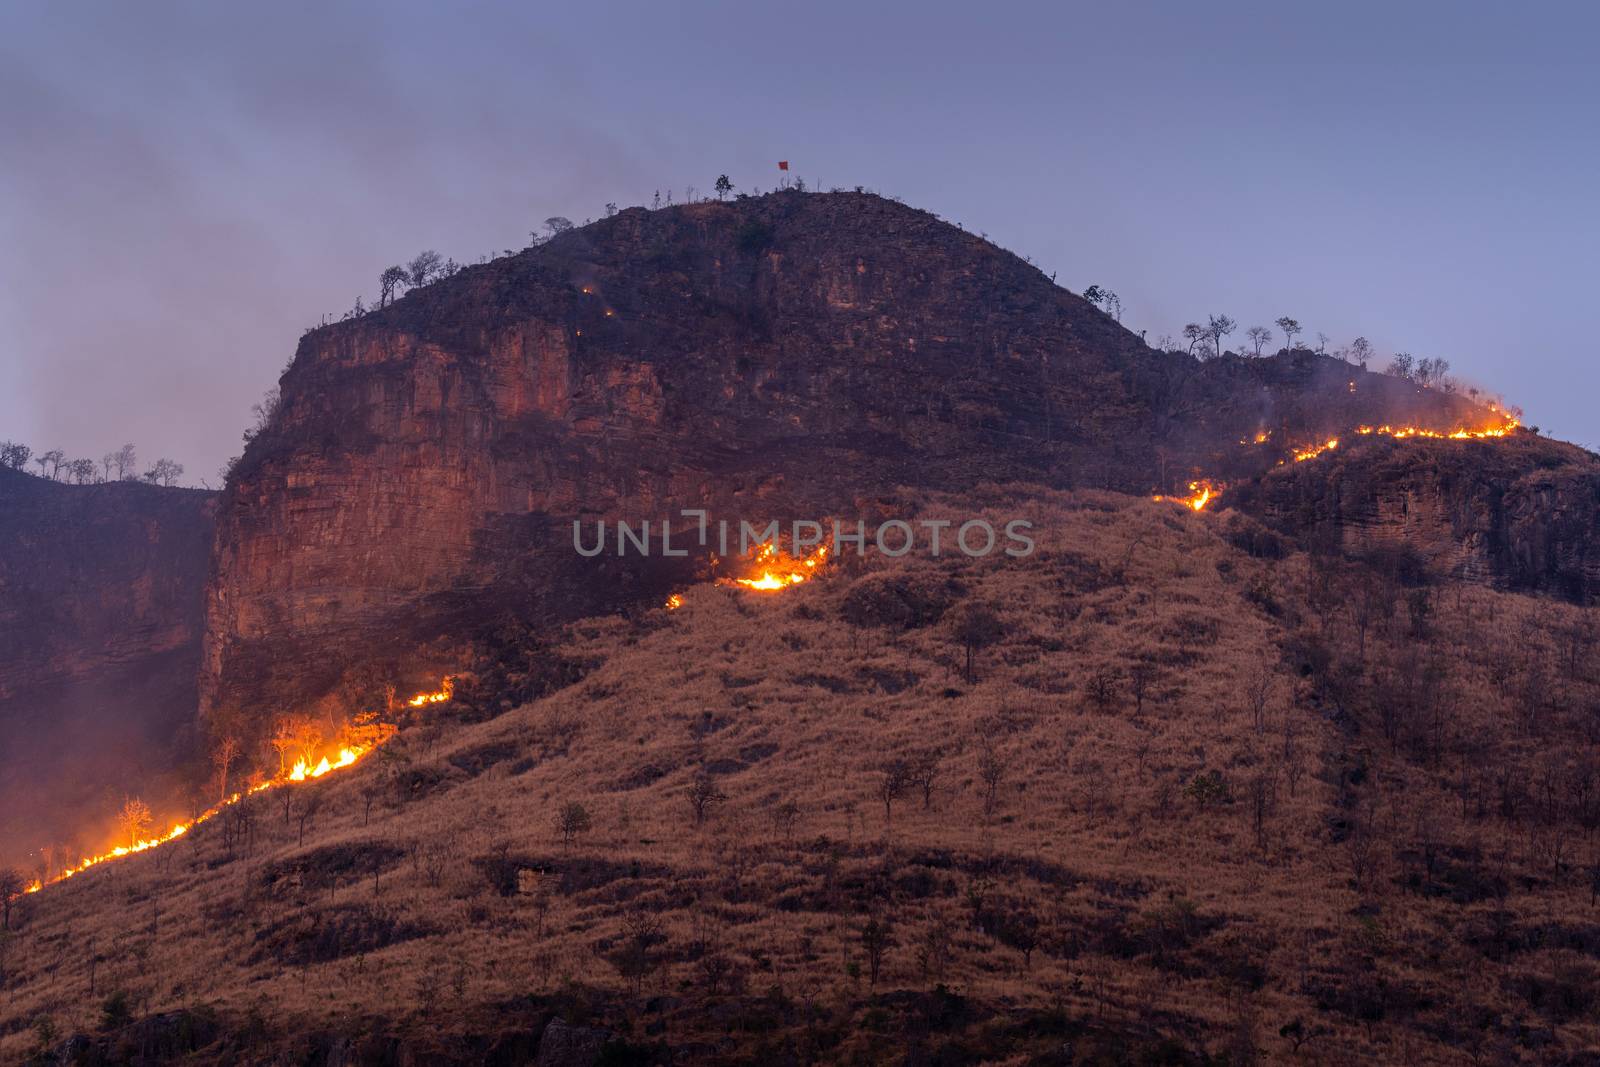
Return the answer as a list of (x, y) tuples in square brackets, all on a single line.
[(390, 282), (424, 268), (81, 471), (1402, 365), (1259, 336), (126, 462), (12, 885), (1217, 328), (165, 472), (723, 186), (134, 820), (14, 455), (1290, 327), (1105, 300), (1361, 351), (555, 226), (52, 459), (1194, 333)]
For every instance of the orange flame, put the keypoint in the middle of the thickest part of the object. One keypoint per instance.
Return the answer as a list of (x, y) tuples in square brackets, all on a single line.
[(1201, 493), (363, 734), (779, 570)]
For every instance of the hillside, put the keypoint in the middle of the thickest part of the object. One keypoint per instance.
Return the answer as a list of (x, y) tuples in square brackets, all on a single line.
[(1203, 794), (783, 356), (101, 609)]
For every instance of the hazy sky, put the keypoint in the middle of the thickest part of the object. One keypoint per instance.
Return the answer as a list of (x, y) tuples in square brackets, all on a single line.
[(184, 189)]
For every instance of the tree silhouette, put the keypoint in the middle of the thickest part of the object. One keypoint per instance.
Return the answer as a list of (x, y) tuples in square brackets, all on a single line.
[(134, 820)]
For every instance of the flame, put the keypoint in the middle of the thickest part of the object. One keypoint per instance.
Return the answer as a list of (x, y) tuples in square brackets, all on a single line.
[(446, 690), (779, 570), (363, 734), (1201, 493), (1313, 451), (1506, 426), (674, 602)]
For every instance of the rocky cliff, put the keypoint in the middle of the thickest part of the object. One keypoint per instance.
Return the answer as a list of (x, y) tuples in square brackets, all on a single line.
[(778, 357), (1521, 513), (101, 606)]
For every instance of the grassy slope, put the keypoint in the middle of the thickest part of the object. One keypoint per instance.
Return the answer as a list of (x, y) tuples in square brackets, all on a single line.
[(1156, 915)]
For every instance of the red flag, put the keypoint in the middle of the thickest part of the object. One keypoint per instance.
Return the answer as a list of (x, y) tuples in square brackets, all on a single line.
[(783, 164)]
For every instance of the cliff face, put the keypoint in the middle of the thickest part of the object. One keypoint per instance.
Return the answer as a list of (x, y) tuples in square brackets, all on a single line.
[(782, 357), (101, 609), (1521, 513)]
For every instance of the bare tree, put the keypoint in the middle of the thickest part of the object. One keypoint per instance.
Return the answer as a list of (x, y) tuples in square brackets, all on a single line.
[(12, 885), (1194, 333), (1361, 351), (223, 757), (876, 938), (165, 472), (925, 773), (1259, 336), (976, 626), (894, 780), (1290, 328), (134, 820), (991, 771), (703, 795), (424, 268), (82, 471), (126, 462), (51, 459), (1402, 365)]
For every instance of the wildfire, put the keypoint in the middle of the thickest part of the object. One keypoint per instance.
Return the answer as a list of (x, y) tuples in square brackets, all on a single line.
[(363, 735), (779, 570), (1201, 493), (1313, 451), (1460, 434), (674, 602)]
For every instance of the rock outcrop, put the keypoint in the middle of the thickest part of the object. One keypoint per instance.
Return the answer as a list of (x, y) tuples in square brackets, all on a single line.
[(1521, 512), (101, 608), (789, 356)]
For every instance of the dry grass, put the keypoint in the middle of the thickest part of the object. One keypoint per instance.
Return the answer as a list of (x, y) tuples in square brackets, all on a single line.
[(1154, 912)]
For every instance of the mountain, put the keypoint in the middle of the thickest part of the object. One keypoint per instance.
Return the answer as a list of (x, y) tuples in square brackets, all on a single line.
[(788, 356), (101, 611), (1184, 808)]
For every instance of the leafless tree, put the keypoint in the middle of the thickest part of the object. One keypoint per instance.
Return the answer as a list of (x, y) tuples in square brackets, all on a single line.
[(1259, 336), (424, 268), (223, 757), (12, 885), (126, 462), (784, 817), (925, 774), (14, 455), (894, 779), (1361, 351), (1402, 365), (976, 627), (51, 459), (876, 938), (134, 820), (165, 472), (991, 771), (703, 795)]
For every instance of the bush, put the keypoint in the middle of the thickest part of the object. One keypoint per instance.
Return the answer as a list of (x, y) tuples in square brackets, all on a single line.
[(1209, 789)]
